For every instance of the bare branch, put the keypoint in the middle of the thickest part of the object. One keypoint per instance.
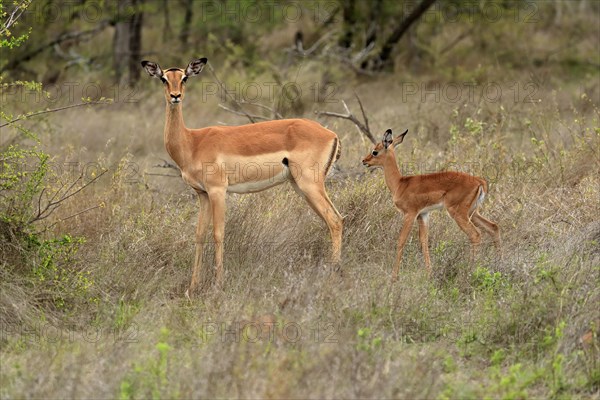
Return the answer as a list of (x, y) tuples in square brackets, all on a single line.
[(46, 228), (166, 164), (243, 113), (167, 175), (25, 116), (264, 107), (82, 35), (457, 40), (54, 204), (14, 16), (362, 110), (363, 127), (231, 98)]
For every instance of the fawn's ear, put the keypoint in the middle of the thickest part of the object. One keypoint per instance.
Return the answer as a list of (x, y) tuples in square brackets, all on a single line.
[(400, 138), (152, 69), (195, 66), (387, 138)]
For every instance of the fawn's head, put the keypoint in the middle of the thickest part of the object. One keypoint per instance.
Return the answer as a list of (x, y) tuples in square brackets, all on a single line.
[(174, 78), (377, 156)]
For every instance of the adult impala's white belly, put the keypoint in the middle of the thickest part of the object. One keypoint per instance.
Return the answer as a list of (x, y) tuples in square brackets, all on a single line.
[(257, 186)]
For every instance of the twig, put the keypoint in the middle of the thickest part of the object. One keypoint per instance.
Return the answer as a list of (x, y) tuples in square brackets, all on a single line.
[(167, 175), (231, 98), (264, 107), (54, 204), (61, 38), (364, 128), (457, 40), (14, 16), (362, 110), (25, 116), (166, 164), (244, 113), (69, 217)]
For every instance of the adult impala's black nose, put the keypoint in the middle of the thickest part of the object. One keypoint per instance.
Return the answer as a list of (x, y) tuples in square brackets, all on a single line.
[(175, 98)]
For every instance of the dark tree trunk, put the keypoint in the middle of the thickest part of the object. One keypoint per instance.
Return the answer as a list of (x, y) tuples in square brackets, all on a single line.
[(121, 41), (374, 16), (135, 43), (349, 24), (372, 31), (168, 32), (384, 57), (127, 43), (187, 22)]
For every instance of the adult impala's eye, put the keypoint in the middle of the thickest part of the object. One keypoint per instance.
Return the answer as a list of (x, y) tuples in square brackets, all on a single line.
[(184, 80), (374, 153), (163, 79)]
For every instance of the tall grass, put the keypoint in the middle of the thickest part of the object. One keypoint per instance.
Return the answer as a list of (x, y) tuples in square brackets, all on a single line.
[(287, 325)]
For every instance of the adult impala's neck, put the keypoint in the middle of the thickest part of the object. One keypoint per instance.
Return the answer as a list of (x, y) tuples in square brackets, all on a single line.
[(176, 134), (391, 172)]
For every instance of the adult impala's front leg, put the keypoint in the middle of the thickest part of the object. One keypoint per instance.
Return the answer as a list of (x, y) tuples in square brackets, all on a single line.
[(409, 220), (204, 217), (217, 204)]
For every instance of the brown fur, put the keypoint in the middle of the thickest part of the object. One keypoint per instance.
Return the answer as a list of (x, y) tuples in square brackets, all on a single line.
[(244, 159), (457, 192)]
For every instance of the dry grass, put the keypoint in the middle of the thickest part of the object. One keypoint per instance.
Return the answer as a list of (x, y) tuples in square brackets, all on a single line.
[(286, 325), (462, 333)]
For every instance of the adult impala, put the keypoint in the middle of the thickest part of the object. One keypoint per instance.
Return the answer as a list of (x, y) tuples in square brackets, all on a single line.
[(244, 159), (459, 193)]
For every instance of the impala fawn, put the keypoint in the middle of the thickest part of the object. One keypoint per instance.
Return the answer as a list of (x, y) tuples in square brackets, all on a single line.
[(415, 196)]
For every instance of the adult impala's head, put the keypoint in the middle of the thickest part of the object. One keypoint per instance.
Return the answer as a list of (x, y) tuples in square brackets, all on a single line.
[(174, 78), (377, 156)]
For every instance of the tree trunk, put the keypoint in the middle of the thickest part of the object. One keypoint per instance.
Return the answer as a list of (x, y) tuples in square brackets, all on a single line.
[(135, 43), (121, 41), (349, 24), (167, 33), (127, 43), (187, 22), (384, 57)]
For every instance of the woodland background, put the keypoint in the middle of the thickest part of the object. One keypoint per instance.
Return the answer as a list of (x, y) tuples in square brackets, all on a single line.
[(96, 227)]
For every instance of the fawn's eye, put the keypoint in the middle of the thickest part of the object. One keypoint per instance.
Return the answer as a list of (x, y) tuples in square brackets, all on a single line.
[(184, 80), (374, 153), (163, 79)]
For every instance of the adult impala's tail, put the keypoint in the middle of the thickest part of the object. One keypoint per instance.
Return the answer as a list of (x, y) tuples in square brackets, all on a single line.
[(336, 152), (481, 192)]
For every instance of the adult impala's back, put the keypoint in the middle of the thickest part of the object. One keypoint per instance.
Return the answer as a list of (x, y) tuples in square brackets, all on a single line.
[(243, 159)]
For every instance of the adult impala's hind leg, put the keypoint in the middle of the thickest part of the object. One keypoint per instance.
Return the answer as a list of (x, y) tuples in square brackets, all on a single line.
[(316, 196), (422, 219), (204, 218), (490, 228), (461, 216)]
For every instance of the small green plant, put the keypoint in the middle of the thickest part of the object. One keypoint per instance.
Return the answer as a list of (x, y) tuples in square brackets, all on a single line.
[(449, 364), (488, 281), (149, 380), (498, 357), (367, 341)]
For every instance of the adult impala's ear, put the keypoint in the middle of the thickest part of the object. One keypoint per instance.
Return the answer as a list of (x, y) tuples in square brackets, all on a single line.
[(195, 66), (387, 138), (152, 69), (400, 138)]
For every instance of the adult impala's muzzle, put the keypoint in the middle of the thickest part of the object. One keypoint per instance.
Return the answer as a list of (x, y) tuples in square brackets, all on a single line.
[(175, 98)]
